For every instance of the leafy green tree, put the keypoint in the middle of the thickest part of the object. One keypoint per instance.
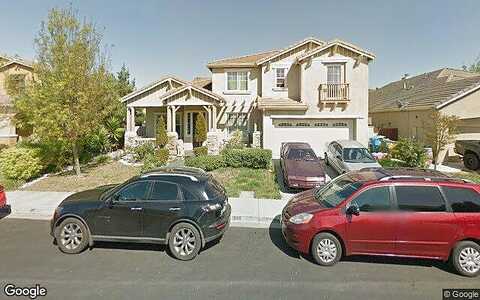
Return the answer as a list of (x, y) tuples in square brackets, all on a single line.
[(200, 129), (474, 67), (162, 137), (73, 92)]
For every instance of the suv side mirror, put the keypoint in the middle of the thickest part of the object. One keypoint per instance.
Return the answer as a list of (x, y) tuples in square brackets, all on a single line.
[(353, 210)]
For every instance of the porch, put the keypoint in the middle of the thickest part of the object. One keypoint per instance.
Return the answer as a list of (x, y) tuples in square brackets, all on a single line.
[(179, 109)]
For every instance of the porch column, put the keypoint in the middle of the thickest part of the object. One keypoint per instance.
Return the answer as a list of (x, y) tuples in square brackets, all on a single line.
[(169, 119), (129, 113), (214, 118), (174, 117), (209, 119)]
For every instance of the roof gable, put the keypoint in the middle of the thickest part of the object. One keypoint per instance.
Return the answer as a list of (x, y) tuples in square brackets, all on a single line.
[(338, 43), (241, 61), (315, 43), (154, 85)]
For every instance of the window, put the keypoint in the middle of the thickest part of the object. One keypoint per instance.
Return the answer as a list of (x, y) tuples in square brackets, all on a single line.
[(337, 190), (214, 190), (462, 199), (133, 192), (321, 124), (237, 81), (334, 74), (187, 195), (419, 198), (189, 123), (281, 77), (164, 191), (15, 82), (301, 154), (375, 199), (340, 124), (237, 121), (285, 124)]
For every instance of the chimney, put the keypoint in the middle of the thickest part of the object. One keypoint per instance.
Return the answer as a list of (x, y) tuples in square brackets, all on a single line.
[(404, 79)]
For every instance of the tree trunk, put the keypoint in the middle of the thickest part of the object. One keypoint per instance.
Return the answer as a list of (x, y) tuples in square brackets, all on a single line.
[(76, 161)]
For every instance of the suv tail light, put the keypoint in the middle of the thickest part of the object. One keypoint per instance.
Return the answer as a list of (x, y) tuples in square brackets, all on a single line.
[(3, 197)]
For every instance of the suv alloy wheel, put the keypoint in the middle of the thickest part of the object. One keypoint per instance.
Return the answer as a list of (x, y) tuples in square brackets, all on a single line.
[(185, 241), (72, 236)]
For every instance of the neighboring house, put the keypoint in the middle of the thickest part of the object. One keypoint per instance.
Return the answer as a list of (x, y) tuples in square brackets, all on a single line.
[(15, 72), (312, 91), (406, 105)]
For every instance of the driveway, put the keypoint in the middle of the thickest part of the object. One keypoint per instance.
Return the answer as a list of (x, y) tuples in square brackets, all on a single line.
[(287, 192), (246, 264)]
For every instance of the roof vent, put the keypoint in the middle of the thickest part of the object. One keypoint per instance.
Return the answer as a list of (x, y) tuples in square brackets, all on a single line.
[(404, 80)]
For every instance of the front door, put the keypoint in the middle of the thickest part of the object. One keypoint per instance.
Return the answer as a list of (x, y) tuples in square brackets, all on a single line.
[(426, 228), (191, 120), (123, 218), (373, 230), (162, 208)]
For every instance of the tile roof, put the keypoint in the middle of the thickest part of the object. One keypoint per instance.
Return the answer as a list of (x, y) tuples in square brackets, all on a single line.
[(241, 61), (424, 91), (280, 104), (202, 81)]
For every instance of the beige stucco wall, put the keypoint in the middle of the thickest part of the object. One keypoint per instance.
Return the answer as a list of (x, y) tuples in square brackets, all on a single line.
[(7, 128)]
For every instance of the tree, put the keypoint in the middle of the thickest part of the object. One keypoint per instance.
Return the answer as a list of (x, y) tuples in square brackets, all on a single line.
[(162, 137), (125, 85), (73, 92), (441, 132), (200, 129), (474, 67)]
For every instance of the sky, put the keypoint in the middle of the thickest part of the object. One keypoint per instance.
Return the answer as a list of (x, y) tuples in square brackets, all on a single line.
[(155, 38)]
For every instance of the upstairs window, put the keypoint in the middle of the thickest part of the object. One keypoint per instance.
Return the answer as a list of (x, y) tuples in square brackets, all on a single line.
[(237, 81), (334, 74), (281, 78)]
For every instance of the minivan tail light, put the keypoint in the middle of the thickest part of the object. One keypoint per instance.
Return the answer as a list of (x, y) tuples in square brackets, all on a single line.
[(3, 197)]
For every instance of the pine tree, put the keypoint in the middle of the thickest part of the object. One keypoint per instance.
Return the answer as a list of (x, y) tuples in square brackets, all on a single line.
[(200, 129), (161, 138)]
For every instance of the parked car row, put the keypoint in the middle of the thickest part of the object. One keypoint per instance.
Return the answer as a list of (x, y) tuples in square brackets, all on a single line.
[(374, 211), (303, 169)]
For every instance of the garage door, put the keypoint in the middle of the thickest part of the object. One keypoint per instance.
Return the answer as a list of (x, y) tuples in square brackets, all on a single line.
[(317, 132)]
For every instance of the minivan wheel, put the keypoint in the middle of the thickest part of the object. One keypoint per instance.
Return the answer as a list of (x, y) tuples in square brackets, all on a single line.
[(326, 249), (72, 236), (185, 241), (471, 161), (466, 258)]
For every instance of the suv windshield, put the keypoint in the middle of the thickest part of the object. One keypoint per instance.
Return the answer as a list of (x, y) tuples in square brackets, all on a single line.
[(337, 190), (357, 155), (301, 154)]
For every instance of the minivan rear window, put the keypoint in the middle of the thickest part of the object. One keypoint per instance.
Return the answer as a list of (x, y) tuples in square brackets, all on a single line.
[(462, 199), (419, 198)]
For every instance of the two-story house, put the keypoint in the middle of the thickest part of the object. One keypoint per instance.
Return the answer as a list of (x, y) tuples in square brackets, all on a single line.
[(312, 91), (14, 72)]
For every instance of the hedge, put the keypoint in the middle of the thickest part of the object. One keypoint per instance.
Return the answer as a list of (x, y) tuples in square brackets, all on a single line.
[(254, 158), (200, 151), (20, 163), (207, 162)]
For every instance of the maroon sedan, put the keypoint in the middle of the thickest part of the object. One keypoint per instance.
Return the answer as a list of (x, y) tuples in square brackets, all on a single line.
[(301, 167)]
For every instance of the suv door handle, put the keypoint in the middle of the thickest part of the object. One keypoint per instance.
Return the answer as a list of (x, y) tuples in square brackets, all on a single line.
[(136, 208), (174, 208)]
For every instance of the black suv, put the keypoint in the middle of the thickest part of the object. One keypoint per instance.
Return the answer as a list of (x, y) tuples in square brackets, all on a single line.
[(182, 207)]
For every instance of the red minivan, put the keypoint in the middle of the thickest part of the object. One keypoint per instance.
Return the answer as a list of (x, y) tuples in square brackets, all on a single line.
[(394, 212)]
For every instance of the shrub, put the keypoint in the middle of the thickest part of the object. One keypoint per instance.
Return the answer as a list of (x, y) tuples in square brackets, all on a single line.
[(200, 129), (207, 163), (161, 137), (20, 163), (200, 151), (248, 158), (140, 152), (3, 146), (235, 141), (411, 152), (155, 159), (54, 155), (389, 163)]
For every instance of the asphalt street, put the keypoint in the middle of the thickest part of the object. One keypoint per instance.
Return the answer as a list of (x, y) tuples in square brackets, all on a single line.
[(245, 264)]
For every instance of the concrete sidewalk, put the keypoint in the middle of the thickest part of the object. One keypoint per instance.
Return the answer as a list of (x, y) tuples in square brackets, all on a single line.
[(247, 211)]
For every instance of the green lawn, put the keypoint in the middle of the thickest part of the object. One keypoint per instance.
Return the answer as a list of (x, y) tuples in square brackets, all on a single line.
[(473, 176), (260, 181)]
